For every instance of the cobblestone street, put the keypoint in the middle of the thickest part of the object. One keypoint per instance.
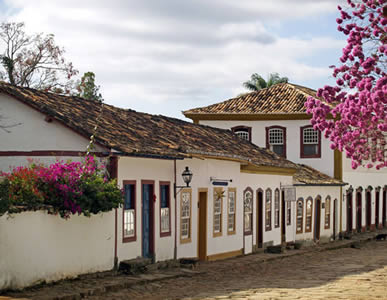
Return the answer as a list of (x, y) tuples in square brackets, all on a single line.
[(312, 273), (338, 274)]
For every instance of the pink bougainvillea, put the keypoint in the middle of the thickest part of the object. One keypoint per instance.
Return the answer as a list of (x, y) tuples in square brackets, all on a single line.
[(66, 187), (353, 114)]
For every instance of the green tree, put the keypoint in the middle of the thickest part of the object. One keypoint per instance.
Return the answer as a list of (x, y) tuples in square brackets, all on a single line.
[(257, 82), (88, 89)]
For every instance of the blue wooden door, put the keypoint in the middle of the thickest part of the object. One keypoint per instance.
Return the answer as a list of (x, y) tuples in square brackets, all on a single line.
[(146, 195)]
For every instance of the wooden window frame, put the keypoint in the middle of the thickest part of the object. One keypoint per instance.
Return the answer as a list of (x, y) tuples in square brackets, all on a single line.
[(327, 212), (127, 239), (277, 201), (268, 226), (220, 232), (185, 240), (165, 183), (302, 154), (268, 138), (306, 214), (302, 216), (231, 190), (237, 128), (250, 190), (288, 213)]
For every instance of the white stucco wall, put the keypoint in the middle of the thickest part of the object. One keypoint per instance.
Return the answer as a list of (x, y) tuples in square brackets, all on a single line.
[(258, 136), (203, 170), (363, 177), (34, 133), (324, 192), (35, 247), (263, 181), (130, 168)]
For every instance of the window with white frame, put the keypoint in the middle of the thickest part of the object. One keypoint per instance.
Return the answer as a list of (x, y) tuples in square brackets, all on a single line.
[(165, 226), (218, 195), (276, 208), (327, 212), (185, 215), (310, 143), (231, 210), (308, 215), (268, 210), (276, 140), (248, 211), (129, 230), (300, 215), (242, 132)]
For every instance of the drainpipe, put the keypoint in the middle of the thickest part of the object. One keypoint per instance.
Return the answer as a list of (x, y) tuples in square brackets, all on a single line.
[(174, 194), (113, 166)]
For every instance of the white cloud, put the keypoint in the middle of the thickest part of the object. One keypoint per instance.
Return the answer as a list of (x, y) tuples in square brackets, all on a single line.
[(165, 56)]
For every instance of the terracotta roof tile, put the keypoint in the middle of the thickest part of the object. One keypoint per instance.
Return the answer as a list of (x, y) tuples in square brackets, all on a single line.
[(308, 175), (280, 98), (138, 133)]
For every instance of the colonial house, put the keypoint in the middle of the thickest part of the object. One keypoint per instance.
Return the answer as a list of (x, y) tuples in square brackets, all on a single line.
[(275, 118), (190, 190)]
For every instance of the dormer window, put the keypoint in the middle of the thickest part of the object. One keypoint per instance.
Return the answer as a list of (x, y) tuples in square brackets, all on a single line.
[(276, 139), (242, 132), (310, 142)]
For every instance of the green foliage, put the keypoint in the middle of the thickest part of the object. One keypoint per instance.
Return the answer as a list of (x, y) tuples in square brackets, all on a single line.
[(4, 197), (257, 82), (87, 88)]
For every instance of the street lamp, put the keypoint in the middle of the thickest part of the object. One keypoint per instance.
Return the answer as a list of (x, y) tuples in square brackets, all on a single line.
[(187, 177)]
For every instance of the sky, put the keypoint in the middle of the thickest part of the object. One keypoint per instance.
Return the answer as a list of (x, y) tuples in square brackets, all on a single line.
[(166, 56)]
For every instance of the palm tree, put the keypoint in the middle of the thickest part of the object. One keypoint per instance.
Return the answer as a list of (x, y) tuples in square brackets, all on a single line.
[(257, 83)]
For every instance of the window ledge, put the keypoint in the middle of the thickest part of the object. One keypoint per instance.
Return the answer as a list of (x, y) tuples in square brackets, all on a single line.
[(217, 234)]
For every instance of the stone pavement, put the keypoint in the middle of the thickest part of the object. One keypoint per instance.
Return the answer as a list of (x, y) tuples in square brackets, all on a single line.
[(310, 273)]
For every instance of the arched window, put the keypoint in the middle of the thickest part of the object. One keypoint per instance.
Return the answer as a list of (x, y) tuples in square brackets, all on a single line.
[(248, 210), (244, 132), (310, 142), (308, 214), (276, 208), (276, 139), (268, 210), (328, 212), (218, 209), (300, 214)]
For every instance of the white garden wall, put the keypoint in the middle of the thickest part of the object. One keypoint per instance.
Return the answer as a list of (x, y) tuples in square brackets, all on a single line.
[(36, 247)]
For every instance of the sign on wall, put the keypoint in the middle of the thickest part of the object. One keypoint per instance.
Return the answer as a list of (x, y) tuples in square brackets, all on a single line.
[(290, 192)]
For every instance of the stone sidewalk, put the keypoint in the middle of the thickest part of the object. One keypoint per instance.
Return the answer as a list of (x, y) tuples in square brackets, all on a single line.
[(99, 284)]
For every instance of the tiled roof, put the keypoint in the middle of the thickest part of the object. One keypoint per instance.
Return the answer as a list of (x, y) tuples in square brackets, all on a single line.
[(309, 176), (282, 98), (138, 133)]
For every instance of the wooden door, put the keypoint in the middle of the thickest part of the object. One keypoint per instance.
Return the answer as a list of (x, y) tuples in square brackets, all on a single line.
[(377, 195), (368, 212), (384, 207), (283, 214), (202, 230), (317, 220), (334, 218), (147, 220), (260, 219), (358, 211), (349, 212)]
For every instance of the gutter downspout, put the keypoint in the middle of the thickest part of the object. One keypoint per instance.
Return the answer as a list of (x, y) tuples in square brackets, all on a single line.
[(174, 194), (114, 174)]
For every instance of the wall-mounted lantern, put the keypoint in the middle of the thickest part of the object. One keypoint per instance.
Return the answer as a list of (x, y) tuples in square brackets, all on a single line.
[(187, 177)]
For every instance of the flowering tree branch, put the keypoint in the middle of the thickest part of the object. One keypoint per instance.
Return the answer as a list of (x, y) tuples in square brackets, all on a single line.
[(358, 102)]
